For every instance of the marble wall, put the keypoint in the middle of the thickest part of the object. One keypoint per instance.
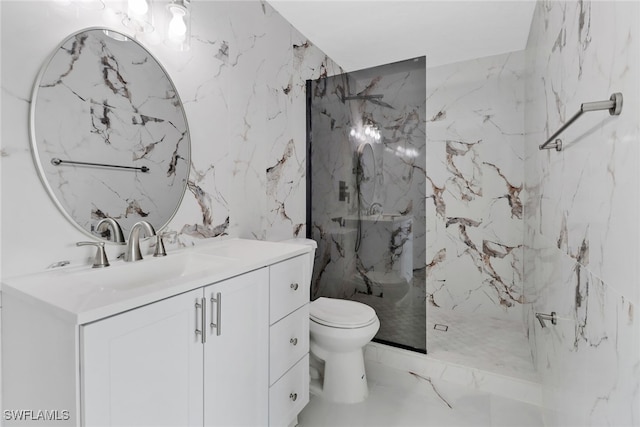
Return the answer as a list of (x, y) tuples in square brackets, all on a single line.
[(475, 134), (581, 212), (243, 87)]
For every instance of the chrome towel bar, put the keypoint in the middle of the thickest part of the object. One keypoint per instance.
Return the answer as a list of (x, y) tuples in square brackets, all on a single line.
[(614, 105), (57, 162)]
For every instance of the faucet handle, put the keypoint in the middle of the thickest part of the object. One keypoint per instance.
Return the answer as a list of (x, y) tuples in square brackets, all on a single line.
[(100, 260), (160, 250)]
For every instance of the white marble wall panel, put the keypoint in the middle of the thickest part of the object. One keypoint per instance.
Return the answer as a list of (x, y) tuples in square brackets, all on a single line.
[(581, 209), (242, 85), (474, 180)]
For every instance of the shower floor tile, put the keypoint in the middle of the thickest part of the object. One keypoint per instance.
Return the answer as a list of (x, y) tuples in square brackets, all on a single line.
[(401, 323), (486, 343)]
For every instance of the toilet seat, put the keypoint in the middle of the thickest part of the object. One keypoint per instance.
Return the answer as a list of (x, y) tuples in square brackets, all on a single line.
[(339, 313)]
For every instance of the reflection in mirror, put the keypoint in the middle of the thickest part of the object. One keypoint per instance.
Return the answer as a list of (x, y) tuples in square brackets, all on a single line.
[(366, 176), (108, 133)]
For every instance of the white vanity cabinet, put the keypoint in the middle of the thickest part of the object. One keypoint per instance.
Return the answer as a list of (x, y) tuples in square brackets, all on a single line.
[(144, 367), (152, 366), (210, 336), (289, 340)]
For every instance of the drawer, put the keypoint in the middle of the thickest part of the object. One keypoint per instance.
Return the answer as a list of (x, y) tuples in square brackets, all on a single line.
[(288, 342), (288, 286), (289, 395)]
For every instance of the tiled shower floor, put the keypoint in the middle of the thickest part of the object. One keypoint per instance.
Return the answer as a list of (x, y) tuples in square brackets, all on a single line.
[(485, 343), (402, 323)]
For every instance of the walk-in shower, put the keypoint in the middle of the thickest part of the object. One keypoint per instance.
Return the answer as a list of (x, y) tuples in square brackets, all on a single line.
[(366, 194)]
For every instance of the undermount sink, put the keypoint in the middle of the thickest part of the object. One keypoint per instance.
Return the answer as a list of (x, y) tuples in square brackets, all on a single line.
[(129, 275)]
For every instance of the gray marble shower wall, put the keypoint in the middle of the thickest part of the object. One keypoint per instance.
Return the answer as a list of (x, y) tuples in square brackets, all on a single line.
[(388, 201)]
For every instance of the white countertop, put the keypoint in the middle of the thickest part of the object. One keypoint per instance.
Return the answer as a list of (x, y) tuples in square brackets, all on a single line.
[(83, 294)]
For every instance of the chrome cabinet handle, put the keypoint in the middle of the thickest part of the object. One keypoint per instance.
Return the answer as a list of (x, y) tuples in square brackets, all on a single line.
[(200, 319), (293, 396), (294, 341), (218, 324), (294, 286)]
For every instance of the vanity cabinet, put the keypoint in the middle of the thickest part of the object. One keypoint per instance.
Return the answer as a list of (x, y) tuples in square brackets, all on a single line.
[(152, 366), (289, 340), (222, 341)]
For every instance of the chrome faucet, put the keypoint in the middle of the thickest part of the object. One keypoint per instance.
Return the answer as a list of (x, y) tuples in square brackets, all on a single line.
[(116, 231), (133, 246)]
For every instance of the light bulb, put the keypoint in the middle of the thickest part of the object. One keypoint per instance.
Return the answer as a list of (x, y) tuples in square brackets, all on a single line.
[(177, 26), (138, 7), (353, 132), (367, 130)]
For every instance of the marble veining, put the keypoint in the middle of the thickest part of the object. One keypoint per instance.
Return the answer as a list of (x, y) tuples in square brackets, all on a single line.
[(474, 210), (104, 101), (580, 212), (245, 112)]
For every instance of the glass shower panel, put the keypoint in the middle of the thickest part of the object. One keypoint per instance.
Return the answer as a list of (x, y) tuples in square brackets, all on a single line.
[(366, 194)]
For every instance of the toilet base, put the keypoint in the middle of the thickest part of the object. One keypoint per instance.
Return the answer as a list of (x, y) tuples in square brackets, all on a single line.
[(344, 379)]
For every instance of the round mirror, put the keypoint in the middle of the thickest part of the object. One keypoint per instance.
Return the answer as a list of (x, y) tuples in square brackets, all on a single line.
[(108, 132)]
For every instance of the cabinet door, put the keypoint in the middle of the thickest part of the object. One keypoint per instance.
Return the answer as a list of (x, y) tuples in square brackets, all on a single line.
[(144, 367), (236, 364)]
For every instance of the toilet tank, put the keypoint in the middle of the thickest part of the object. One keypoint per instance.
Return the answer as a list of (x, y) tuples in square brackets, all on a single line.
[(308, 242)]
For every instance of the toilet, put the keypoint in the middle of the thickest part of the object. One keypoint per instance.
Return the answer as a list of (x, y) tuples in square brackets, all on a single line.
[(339, 329)]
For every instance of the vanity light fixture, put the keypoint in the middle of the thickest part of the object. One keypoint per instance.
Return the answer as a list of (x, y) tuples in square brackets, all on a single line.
[(179, 25), (139, 16)]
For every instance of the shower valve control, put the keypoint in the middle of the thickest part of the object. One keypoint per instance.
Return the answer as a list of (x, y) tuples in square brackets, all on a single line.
[(542, 317), (343, 193)]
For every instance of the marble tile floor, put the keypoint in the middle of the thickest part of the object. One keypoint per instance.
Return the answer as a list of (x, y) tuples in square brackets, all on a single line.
[(401, 399)]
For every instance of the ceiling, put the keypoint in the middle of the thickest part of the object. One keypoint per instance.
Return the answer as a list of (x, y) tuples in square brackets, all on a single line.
[(359, 34)]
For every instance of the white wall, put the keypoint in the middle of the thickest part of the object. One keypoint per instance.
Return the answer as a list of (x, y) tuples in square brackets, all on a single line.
[(246, 112), (581, 211)]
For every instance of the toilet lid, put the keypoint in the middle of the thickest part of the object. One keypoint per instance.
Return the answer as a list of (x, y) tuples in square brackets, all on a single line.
[(341, 313)]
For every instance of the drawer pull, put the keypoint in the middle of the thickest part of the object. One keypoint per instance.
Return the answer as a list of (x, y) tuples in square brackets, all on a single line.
[(294, 286), (293, 396), (294, 341)]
